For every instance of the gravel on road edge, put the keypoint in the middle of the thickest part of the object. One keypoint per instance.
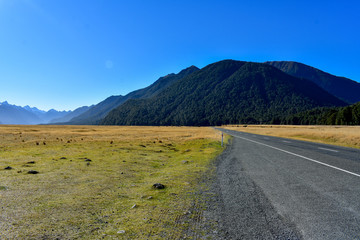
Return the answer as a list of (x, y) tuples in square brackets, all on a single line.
[(229, 205)]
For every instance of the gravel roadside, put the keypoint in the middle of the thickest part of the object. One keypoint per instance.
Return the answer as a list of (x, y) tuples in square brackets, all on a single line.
[(232, 206)]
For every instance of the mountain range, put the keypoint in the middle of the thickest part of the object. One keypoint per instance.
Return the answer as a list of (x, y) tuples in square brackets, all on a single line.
[(225, 92), (12, 114), (97, 112), (341, 87)]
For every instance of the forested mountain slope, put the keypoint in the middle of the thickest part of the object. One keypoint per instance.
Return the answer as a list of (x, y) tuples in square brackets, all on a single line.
[(341, 87), (226, 92), (100, 110)]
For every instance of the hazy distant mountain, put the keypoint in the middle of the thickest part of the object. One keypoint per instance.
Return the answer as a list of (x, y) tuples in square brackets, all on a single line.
[(46, 116), (12, 114), (343, 88), (70, 115), (226, 92), (33, 110), (100, 110)]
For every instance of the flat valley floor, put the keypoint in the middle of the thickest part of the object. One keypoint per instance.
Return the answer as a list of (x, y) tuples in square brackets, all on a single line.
[(93, 182)]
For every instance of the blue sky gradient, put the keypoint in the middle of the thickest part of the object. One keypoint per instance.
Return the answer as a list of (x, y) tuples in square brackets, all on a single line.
[(64, 54)]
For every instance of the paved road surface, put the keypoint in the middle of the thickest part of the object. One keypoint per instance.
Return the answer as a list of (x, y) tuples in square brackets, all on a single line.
[(275, 188)]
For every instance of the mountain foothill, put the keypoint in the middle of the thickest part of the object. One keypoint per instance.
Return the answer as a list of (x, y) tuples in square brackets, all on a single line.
[(224, 92)]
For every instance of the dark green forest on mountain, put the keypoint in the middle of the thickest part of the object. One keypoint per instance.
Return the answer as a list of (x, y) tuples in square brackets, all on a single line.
[(226, 92), (349, 115), (341, 87), (100, 110)]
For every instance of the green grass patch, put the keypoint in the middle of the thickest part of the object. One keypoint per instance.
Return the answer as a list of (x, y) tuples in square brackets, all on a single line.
[(93, 189)]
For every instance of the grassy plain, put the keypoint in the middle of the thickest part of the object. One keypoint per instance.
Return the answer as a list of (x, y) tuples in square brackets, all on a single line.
[(95, 182), (347, 136)]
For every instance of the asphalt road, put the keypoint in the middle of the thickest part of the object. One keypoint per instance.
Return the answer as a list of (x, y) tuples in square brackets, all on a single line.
[(275, 188)]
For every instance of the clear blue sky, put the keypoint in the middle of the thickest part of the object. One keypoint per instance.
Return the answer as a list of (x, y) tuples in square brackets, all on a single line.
[(64, 54)]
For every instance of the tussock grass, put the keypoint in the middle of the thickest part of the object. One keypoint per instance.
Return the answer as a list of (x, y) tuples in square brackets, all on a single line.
[(347, 136), (94, 181)]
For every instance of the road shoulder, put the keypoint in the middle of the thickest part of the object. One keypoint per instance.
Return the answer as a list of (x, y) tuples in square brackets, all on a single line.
[(234, 207)]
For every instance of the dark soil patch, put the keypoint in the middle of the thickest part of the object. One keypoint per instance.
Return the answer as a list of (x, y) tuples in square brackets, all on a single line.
[(158, 186)]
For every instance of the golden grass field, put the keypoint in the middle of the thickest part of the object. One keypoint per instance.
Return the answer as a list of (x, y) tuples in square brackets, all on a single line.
[(347, 136), (95, 182)]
